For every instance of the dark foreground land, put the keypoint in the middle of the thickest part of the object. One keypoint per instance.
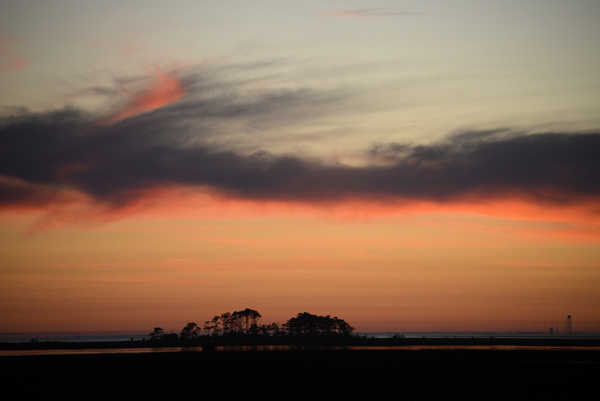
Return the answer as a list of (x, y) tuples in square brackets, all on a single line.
[(312, 341), (306, 375)]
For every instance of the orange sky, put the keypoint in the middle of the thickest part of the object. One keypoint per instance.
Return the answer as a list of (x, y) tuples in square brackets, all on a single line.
[(404, 272), (406, 169), (181, 254)]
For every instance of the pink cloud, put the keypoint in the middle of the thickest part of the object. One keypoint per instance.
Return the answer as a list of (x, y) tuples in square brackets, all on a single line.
[(166, 89), (10, 61)]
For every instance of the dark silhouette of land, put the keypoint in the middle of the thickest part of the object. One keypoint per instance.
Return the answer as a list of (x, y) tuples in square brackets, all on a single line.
[(245, 328), (305, 375), (334, 371), (321, 341)]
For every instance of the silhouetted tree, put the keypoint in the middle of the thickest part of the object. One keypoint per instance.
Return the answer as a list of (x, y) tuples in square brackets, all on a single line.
[(236, 323), (190, 331), (272, 329), (226, 323), (157, 334), (342, 327), (212, 325), (246, 321), (306, 324), (170, 337)]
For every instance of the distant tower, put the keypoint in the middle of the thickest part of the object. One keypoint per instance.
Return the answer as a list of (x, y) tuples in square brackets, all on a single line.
[(569, 325)]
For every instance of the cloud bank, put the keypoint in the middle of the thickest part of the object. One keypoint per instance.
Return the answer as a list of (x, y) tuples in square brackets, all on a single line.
[(61, 157), (62, 151)]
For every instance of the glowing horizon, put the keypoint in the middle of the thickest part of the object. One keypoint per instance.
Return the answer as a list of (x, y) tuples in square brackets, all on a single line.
[(403, 169)]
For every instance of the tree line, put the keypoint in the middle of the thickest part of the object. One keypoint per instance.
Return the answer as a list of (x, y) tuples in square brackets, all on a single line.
[(248, 323)]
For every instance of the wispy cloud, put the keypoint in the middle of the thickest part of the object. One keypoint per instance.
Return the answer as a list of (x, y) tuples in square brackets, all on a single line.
[(10, 60), (364, 13), (166, 89)]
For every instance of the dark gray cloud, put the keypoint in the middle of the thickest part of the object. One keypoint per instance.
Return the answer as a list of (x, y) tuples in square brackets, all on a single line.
[(44, 155)]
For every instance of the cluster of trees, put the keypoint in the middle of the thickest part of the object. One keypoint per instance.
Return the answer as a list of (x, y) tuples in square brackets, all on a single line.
[(306, 324), (248, 322)]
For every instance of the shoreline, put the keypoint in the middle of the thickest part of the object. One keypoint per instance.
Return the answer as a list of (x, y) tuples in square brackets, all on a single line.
[(208, 342)]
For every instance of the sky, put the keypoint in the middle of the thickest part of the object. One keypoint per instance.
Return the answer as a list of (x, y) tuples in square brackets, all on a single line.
[(405, 166)]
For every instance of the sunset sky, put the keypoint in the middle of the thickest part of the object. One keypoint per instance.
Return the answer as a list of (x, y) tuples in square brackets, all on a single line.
[(403, 165)]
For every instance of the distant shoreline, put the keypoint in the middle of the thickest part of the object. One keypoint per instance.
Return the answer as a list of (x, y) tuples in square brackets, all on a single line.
[(308, 341)]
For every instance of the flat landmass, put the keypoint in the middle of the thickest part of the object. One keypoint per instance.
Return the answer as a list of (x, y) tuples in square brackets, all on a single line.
[(466, 374), (317, 341)]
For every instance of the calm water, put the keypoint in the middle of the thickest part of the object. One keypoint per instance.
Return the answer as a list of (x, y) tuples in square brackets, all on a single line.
[(287, 348)]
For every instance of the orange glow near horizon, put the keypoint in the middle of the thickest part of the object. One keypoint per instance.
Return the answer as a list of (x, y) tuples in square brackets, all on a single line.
[(165, 163), (574, 222), (400, 274), (180, 255)]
